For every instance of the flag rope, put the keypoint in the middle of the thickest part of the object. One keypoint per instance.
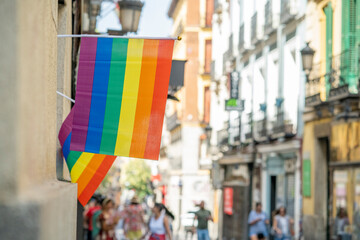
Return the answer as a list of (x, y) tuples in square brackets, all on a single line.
[(61, 94), (114, 36)]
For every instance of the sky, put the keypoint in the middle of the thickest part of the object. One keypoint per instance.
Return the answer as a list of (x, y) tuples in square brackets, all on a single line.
[(154, 21)]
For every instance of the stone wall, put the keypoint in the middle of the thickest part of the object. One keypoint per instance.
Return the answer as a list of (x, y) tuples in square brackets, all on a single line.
[(33, 203)]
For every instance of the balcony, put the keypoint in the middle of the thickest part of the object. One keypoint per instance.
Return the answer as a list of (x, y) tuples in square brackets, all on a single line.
[(343, 76), (172, 122), (248, 129), (282, 127), (314, 90), (254, 37), (286, 11), (261, 131), (212, 70), (340, 81), (223, 135), (268, 26), (242, 38), (230, 44)]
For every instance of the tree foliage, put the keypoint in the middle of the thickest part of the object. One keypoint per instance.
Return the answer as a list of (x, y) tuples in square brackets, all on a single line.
[(136, 175)]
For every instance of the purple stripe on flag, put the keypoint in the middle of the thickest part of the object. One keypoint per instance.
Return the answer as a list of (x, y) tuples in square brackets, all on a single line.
[(66, 127), (83, 93)]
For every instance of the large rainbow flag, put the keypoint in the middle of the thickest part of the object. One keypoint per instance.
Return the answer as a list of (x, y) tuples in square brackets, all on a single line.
[(121, 95), (86, 169), (120, 98)]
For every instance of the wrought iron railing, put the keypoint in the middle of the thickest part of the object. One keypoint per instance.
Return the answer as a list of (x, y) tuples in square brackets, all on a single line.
[(268, 26), (248, 127), (223, 135), (242, 36), (281, 126), (261, 127), (339, 80), (254, 28), (286, 11)]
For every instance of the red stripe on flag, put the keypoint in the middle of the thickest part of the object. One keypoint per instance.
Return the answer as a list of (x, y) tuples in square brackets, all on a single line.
[(89, 172), (96, 179), (162, 78)]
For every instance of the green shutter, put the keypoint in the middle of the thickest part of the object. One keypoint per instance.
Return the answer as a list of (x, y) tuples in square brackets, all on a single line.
[(349, 44), (357, 45), (329, 39)]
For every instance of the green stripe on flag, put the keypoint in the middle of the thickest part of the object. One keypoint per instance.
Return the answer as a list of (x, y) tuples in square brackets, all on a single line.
[(72, 158), (114, 95)]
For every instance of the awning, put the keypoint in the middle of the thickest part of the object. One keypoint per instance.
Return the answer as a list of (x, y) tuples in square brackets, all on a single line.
[(177, 74)]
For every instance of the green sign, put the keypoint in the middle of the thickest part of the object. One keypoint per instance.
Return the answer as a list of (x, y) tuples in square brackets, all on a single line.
[(306, 178), (234, 105)]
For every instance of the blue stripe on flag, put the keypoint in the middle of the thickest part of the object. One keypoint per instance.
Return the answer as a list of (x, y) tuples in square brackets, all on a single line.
[(99, 94)]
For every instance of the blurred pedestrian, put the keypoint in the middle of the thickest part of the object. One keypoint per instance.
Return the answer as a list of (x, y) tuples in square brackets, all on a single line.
[(283, 225), (341, 221), (133, 219), (107, 221), (159, 225), (94, 206), (258, 220), (203, 216)]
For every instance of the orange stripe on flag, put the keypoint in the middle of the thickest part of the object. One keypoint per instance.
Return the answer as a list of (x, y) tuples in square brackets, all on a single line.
[(96, 180), (89, 172), (145, 98), (159, 99)]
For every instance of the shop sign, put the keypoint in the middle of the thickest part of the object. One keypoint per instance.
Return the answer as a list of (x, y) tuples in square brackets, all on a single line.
[(228, 200), (234, 105), (306, 178)]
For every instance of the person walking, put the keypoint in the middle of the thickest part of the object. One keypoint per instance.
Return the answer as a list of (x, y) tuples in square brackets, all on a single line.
[(341, 221), (258, 220), (203, 216), (94, 207), (282, 225), (133, 219), (106, 221), (159, 225)]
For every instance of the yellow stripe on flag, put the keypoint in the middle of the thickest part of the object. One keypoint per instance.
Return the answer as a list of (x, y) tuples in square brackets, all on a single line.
[(80, 165), (130, 95)]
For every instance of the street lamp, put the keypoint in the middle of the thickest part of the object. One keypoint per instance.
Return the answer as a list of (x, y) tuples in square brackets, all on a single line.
[(130, 11), (307, 55), (208, 131)]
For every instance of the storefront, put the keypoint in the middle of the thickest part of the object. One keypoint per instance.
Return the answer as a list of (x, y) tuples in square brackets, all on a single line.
[(344, 181), (281, 175), (236, 195)]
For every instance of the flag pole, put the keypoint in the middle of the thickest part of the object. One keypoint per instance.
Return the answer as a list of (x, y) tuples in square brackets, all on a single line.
[(114, 36)]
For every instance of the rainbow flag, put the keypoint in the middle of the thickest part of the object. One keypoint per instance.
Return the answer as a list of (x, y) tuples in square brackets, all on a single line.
[(121, 94), (86, 169)]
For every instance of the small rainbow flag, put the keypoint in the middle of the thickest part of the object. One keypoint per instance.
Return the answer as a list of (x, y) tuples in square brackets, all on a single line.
[(86, 169), (121, 94)]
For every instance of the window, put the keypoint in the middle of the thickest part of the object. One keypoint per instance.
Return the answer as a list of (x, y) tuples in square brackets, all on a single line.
[(207, 65), (207, 95), (209, 12)]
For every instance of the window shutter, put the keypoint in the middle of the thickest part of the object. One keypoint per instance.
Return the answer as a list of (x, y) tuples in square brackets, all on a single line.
[(329, 43), (348, 44)]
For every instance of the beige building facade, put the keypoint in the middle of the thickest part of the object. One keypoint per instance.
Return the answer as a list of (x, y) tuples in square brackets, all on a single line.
[(34, 64)]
